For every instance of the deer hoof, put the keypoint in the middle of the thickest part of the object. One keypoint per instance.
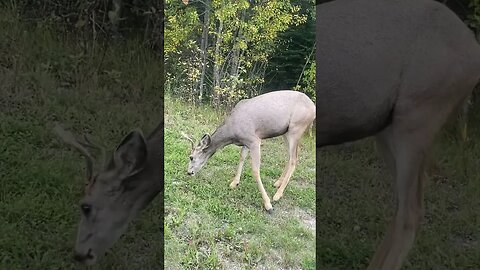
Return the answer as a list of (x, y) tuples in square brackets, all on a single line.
[(234, 185), (270, 211), (277, 197)]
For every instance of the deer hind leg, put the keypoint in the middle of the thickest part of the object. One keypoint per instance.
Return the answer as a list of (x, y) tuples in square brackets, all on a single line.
[(255, 154), (293, 139), (278, 183), (236, 180)]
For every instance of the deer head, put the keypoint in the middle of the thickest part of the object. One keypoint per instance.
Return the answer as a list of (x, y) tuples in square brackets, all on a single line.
[(115, 192), (199, 154)]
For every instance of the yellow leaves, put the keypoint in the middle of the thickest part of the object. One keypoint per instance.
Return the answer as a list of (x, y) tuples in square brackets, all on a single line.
[(242, 45), (227, 36), (242, 35), (179, 28)]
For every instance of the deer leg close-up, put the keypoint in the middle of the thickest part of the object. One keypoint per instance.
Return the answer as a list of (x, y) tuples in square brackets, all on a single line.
[(405, 144), (400, 236), (236, 179)]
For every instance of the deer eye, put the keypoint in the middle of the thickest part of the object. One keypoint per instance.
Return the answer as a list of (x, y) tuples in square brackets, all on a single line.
[(191, 158), (86, 208)]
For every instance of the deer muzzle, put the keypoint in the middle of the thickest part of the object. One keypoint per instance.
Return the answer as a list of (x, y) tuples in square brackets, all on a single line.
[(86, 258)]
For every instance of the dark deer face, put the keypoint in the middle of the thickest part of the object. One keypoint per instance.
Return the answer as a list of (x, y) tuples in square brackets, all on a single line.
[(113, 196)]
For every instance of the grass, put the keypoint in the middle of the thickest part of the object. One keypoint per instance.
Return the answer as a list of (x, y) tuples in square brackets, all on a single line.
[(46, 77), (210, 226), (355, 205)]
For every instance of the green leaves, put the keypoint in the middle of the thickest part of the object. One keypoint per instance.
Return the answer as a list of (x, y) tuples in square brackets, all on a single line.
[(307, 82), (180, 27), (229, 43), (474, 19)]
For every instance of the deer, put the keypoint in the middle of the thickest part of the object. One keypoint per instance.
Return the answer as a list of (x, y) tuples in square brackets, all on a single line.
[(273, 114), (117, 190), (396, 71)]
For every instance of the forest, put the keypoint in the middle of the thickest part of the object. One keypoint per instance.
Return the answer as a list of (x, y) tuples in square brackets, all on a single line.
[(222, 51)]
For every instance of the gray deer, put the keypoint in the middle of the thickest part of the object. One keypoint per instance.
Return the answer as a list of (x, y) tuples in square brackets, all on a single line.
[(288, 113), (117, 191), (396, 70)]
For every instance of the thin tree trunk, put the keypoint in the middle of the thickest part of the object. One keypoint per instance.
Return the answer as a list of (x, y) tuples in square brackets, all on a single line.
[(204, 46), (306, 63), (216, 63), (234, 71)]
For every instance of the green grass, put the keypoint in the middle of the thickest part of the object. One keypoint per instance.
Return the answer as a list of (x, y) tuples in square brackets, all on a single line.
[(210, 226), (355, 205), (46, 77)]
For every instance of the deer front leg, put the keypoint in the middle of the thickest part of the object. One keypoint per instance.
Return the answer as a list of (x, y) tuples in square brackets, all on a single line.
[(255, 154), (236, 179)]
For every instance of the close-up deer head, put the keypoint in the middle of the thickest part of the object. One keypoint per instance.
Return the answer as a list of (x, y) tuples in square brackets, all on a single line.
[(115, 193)]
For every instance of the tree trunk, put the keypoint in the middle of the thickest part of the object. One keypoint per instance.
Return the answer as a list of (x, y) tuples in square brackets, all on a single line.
[(203, 48), (216, 63), (306, 63), (234, 70)]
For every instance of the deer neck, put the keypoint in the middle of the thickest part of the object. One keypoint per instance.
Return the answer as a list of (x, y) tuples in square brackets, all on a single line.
[(220, 138)]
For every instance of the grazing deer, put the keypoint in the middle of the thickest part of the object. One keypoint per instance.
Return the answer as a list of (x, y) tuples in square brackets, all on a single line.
[(117, 192), (287, 113), (395, 70)]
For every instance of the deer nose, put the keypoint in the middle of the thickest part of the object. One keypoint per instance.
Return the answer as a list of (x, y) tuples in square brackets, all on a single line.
[(81, 257)]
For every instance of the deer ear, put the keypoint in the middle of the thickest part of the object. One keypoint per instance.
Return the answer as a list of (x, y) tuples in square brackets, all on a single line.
[(131, 154), (205, 141)]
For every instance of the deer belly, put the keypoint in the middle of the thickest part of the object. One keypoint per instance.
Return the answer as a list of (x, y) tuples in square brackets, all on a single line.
[(336, 126), (271, 129)]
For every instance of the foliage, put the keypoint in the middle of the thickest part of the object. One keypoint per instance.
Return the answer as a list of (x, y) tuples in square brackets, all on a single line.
[(474, 17), (293, 53), (91, 20), (307, 83), (219, 50)]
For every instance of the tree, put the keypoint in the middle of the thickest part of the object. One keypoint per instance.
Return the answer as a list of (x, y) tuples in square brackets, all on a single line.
[(227, 44)]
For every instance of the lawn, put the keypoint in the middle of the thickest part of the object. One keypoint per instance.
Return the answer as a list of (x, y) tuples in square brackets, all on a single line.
[(210, 226)]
